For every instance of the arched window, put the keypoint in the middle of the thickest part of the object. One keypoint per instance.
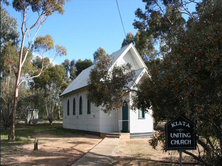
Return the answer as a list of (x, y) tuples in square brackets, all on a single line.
[(80, 105), (68, 107), (88, 106), (74, 106)]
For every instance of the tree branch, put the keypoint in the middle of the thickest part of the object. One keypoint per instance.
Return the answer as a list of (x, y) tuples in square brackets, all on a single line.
[(37, 22), (195, 157), (29, 78), (187, 11), (163, 12), (204, 145), (29, 45)]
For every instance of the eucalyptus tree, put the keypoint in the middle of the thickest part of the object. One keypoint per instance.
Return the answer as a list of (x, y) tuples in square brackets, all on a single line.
[(9, 60), (144, 44), (109, 93), (8, 29), (70, 70), (163, 21), (82, 64), (188, 79), (99, 54), (43, 9), (50, 85), (8, 51)]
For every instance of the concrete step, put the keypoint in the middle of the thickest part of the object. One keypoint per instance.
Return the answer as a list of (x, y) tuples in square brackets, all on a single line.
[(141, 135), (125, 136), (110, 135)]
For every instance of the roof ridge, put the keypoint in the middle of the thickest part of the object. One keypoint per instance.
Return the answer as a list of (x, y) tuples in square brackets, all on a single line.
[(82, 79)]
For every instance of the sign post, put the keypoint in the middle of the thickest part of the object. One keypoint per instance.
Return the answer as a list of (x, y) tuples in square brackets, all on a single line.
[(180, 157), (180, 135)]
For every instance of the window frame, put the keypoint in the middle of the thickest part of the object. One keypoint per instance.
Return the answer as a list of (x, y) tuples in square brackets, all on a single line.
[(74, 106), (80, 105), (88, 106), (68, 108)]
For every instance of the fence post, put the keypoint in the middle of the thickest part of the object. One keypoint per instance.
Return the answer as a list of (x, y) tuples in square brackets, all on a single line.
[(36, 144)]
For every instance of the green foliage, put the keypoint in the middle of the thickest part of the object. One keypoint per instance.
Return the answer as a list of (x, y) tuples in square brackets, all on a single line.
[(48, 87), (6, 104), (5, 2), (60, 50), (81, 65), (185, 80), (8, 29), (112, 82), (99, 54), (39, 63), (9, 61), (48, 7), (163, 21), (43, 9), (143, 43), (129, 39), (188, 78), (7, 91), (8, 65), (27, 66), (43, 43), (70, 70)]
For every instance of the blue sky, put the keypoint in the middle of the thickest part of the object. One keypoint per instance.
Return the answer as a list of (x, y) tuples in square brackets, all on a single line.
[(87, 25)]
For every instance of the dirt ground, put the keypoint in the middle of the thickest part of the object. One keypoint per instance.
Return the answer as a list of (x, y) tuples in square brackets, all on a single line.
[(64, 151), (56, 151), (138, 152)]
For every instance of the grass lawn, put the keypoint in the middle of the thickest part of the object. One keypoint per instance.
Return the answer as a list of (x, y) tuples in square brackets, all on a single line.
[(25, 133)]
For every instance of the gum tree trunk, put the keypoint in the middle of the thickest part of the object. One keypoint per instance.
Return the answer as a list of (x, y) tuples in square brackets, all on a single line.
[(11, 137), (12, 132)]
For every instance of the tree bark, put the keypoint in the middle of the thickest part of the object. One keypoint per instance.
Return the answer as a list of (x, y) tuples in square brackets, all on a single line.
[(11, 137), (59, 114)]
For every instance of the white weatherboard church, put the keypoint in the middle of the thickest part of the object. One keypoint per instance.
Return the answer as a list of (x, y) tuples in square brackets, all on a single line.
[(80, 114)]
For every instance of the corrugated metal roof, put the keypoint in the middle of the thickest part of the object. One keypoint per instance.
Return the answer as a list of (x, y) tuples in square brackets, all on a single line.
[(116, 55), (81, 80)]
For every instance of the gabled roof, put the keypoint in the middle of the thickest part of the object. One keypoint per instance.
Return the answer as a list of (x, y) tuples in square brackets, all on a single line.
[(138, 74), (81, 80), (123, 51)]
